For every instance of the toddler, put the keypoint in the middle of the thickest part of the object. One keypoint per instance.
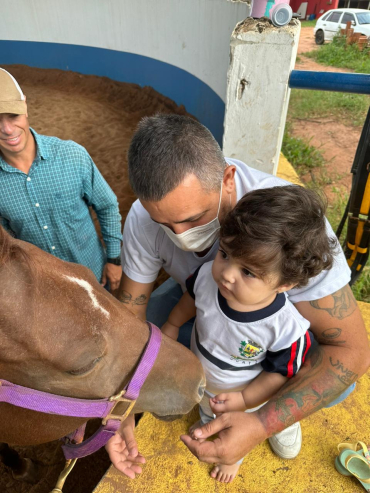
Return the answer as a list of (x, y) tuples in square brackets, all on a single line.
[(248, 336)]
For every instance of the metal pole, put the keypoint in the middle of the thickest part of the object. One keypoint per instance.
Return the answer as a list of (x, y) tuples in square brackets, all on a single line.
[(330, 81)]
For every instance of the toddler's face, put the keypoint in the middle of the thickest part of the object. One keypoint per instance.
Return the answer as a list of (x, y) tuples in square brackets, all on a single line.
[(242, 289)]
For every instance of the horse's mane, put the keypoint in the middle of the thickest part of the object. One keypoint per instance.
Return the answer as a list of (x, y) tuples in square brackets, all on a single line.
[(9, 249)]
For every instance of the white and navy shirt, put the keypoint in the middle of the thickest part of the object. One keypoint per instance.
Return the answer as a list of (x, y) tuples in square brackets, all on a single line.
[(147, 248), (234, 347)]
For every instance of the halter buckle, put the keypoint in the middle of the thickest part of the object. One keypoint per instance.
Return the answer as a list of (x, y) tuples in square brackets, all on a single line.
[(119, 398)]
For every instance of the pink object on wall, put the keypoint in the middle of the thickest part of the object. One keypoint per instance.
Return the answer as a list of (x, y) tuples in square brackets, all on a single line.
[(278, 11), (261, 8)]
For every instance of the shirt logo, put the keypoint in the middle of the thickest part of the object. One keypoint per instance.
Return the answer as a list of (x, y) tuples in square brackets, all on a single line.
[(249, 349)]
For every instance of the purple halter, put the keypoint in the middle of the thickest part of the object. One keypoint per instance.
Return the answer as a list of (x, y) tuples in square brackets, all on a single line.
[(44, 402)]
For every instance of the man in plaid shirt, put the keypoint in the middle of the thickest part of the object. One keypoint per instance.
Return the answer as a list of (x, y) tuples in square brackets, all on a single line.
[(47, 186)]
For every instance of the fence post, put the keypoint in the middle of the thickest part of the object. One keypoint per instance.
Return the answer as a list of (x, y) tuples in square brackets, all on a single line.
[(261, 59)]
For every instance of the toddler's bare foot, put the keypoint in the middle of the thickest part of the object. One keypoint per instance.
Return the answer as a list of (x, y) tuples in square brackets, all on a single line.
[(224, 473)]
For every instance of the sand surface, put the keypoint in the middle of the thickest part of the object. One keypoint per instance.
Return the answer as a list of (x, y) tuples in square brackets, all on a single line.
[(101, 115)]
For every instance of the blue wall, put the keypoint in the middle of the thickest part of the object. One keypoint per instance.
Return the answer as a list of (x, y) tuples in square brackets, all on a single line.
[(177, 84)]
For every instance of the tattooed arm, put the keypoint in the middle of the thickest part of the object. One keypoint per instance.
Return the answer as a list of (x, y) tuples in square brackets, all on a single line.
[(135, 295), (341, 358)]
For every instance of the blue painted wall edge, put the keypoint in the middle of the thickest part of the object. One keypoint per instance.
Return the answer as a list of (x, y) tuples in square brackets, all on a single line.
[(175, 83)]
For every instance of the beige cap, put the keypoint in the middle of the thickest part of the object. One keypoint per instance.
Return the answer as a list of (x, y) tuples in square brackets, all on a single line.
[(12, 99)]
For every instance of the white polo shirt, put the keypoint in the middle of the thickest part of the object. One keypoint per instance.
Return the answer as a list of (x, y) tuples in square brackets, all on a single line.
[(147, 248)]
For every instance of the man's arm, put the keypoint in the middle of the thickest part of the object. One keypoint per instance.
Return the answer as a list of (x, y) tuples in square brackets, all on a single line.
[(341, 358), (343, 355), (98, 195), (135, 295)]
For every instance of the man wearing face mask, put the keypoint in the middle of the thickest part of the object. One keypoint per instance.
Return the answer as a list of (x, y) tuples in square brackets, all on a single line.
[(185, 187)]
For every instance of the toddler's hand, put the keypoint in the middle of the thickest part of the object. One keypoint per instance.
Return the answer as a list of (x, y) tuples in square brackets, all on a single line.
[(170, 331), (226, 402)]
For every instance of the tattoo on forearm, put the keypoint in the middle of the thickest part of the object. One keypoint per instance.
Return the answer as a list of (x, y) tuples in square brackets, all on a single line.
[(140, 300), (346, 376), (330, 336), (126, 297), (306, 394), (343, 304)]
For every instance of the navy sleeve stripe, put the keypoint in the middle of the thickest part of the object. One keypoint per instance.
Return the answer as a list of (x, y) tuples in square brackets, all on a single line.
[(190, 281), (288, 361)]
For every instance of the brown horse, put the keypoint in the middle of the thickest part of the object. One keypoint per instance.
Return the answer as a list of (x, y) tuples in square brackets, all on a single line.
[(64, 334)]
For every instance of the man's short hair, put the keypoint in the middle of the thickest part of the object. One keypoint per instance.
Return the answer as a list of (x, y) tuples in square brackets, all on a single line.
[(280, 230), (167, 148)]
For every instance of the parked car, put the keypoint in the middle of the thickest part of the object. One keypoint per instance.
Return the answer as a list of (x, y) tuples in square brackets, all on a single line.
[(333, 20)]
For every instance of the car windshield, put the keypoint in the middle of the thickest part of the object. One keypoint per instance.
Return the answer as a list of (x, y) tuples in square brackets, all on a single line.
[(363, 18)]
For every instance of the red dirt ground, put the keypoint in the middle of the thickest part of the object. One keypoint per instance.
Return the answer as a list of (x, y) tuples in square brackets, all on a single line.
[(336, 141)]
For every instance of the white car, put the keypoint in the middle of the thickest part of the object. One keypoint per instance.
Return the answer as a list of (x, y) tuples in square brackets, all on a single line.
[(333, 20)]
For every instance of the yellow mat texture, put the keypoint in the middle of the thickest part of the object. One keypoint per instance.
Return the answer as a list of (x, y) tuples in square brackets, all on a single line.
[(172, 468)]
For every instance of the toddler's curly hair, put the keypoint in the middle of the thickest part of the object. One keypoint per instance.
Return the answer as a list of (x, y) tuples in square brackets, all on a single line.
[(280, 230)]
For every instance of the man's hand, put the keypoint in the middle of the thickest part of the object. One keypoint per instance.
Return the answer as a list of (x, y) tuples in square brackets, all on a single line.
[(123, 451), (113, 274), (170, 331), (226, 402), (238, 434)]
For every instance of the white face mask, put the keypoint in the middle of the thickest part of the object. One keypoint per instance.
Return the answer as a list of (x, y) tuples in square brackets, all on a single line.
[(199, 238)]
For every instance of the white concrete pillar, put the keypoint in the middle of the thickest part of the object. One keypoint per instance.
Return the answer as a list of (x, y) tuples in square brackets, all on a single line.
[(261, 59)]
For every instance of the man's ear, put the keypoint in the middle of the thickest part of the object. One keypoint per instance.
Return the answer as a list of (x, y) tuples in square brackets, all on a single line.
[(285, 287), (229, 179)]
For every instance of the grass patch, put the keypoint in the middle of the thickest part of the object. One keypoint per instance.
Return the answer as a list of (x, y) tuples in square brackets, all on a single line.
[(336, 208), (309, 23), (339, 54), (361, 288), (301, 154), (309, 105)]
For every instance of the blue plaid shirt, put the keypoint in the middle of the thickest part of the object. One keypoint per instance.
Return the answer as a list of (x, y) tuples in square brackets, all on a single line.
[(49, 207)]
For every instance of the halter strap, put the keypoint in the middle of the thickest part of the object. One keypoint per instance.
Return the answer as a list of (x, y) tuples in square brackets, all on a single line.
[(44, 402)]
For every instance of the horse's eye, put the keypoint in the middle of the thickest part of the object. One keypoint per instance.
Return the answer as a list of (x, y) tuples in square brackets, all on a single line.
[(85, 369)]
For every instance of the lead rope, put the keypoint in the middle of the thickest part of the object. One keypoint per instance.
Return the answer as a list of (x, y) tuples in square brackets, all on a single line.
[(63, 475)]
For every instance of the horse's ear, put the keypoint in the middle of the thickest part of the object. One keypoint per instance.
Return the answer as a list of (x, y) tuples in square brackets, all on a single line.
[(11, 249), (3, 246), (7, 249)]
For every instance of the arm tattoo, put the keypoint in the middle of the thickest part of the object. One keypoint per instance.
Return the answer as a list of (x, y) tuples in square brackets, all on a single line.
[(126, 298), (346, 376), (140, 300), (303, 396), (343, 304), (330, 336)]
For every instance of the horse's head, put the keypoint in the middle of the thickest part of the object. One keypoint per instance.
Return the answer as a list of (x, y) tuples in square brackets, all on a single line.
[(62, 333)]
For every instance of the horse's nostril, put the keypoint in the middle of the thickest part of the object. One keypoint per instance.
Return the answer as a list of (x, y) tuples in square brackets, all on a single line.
[(201, 389)]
